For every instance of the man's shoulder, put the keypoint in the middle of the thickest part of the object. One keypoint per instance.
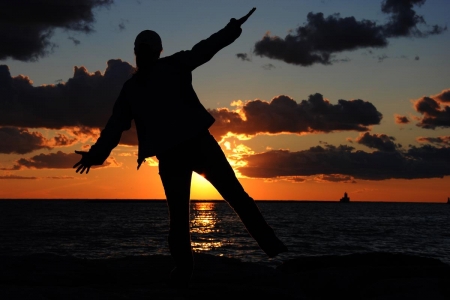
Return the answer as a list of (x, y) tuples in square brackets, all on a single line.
[(177, 58)]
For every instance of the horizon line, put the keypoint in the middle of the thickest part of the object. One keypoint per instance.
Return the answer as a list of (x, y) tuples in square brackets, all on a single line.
[(208, 200)]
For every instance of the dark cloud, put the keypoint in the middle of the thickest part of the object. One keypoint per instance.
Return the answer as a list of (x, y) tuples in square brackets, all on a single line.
[(322, 37), (13, 168), (84, 103), (401, 119), (417, 162), (74, 40), (427, 105), (26, 26), (85, 100), (283, 115), (20, 140), (441, 140), (268, 67), (403, 19), (58, 160), (431, 155), (434, 114), (335, 178), (243, 56), (337, 60), (377, 141), (443, 96)]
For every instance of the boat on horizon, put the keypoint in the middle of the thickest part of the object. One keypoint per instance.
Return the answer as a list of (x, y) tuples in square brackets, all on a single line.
[(346, 199)]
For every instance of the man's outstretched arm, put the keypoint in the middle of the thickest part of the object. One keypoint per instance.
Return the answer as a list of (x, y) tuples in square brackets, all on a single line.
[(119, 121), (206, 49)]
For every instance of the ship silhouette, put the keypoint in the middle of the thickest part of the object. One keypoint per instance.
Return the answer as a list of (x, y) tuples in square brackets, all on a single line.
[(345, 199)]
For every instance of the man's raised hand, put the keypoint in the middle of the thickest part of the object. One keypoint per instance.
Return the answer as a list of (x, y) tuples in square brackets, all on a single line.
[(244, 18)]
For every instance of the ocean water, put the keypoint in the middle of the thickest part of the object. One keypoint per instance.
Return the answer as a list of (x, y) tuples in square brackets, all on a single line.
[(89, 229)]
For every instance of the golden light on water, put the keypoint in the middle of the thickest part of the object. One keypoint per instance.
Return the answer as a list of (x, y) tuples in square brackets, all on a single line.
[(204, 206), (203, 223), (205, 246)]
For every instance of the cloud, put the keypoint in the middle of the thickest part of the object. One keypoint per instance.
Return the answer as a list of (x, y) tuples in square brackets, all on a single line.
[(122, 24), (404, 20), (284, 115), (268, 67), (381, 58), (17, 177), (83, 104), (443, 97), (417, 162), (58, 160), (322, 37), (243, 56), (74, 40), (401, 119), (11, 176), (435, 110), (334, 178), (85, 100), (32, 23), (13, 168), (441, 140), (21, 140), (377, 141), (61, 141)]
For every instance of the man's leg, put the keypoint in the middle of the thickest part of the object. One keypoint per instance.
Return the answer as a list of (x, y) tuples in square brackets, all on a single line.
[(176, 179), (213, 164)]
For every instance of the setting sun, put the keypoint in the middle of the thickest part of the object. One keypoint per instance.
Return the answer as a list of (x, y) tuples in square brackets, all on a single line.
[(202, 189)]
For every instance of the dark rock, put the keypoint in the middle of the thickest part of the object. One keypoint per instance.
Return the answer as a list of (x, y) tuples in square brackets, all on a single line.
[(357, 276), (46, 276), (369, 276)]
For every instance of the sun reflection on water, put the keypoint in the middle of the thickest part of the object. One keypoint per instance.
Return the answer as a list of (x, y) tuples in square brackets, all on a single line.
[(203, 223)]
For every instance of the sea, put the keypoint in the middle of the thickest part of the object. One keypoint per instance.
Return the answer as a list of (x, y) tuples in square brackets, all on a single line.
[(113, 229)]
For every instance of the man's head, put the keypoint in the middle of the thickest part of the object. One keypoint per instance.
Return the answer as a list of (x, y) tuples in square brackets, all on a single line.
[(149, 39), (147, 48)]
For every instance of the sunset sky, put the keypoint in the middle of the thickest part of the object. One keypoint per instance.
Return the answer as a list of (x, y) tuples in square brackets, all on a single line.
[(316, 98)]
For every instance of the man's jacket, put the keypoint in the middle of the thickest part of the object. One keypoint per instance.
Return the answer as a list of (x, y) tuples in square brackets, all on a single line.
[(164, 106)]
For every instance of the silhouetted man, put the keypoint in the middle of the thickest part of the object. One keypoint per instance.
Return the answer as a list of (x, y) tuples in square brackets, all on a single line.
[(172, 125)]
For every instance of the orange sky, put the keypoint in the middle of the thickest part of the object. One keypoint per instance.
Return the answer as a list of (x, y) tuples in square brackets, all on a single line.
[(125, 182)]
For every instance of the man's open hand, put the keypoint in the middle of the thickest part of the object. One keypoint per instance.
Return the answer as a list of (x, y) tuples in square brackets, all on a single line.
[(84, 164)]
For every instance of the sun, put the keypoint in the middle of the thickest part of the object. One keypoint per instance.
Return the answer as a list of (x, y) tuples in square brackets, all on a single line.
[(202, 188)]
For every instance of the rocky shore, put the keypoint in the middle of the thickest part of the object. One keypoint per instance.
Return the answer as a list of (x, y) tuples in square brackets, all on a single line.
[(355, 276)]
